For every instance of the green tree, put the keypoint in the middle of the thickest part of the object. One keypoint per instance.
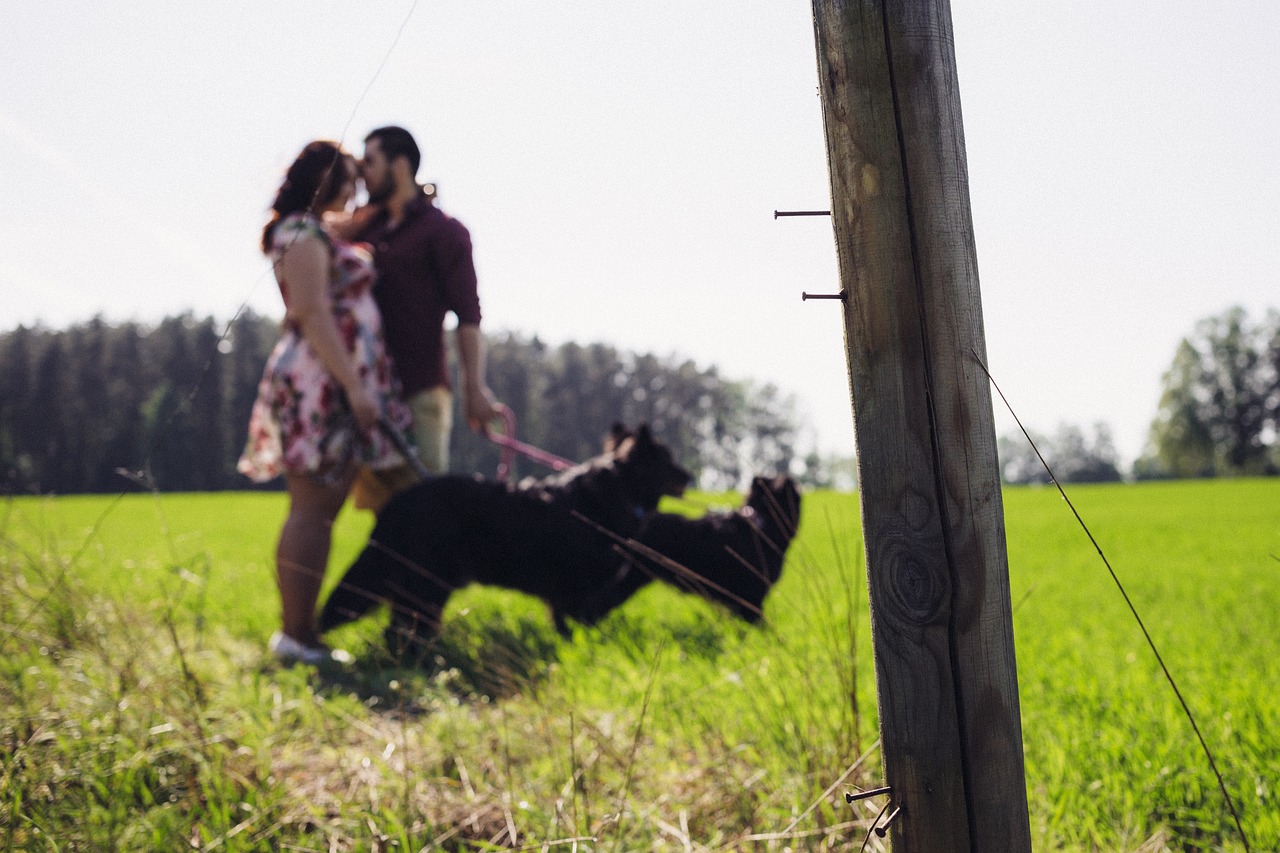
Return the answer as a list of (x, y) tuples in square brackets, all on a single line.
[(245, 349), (173, 434), (127, 390), (567, 398), (172, 402), (1217, 413), (90, 408), (52, 446), (18, 419), (1270, 379), (1072, 455)]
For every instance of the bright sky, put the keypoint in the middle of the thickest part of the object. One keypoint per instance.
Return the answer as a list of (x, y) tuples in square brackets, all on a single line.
[(618, 165)]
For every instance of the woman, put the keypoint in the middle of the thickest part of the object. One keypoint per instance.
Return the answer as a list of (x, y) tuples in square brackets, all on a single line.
[(326, 385)]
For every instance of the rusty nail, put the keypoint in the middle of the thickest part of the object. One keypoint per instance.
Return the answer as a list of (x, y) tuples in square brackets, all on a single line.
[(862, 795), (884, 827), (805, 297), (778, 213)]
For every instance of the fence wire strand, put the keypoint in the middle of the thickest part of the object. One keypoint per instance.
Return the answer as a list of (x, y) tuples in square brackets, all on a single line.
[(1186, 709)]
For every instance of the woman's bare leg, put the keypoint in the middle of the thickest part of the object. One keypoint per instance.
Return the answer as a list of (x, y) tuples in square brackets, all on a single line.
[(302, 553)]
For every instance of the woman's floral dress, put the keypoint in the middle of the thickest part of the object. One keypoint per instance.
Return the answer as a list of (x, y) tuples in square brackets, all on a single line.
[(301, 422)]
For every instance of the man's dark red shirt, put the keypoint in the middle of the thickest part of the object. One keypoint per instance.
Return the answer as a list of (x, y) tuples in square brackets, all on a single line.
[(425, 271)]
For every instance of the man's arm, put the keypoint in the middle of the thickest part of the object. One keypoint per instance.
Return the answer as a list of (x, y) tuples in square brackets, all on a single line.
[(478, 402), (348, 226)]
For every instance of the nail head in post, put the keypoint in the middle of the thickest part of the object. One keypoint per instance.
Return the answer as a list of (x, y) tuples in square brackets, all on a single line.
[(883, 828), (778, 213), (850, 796)]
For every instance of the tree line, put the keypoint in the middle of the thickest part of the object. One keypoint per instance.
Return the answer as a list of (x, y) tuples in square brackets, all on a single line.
[(1218, 415), (1219, 410), (97, 406)]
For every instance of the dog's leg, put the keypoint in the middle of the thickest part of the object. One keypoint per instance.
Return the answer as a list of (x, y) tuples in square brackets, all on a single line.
[(630, 578), (361, 589), (409, 635), (562, 625)]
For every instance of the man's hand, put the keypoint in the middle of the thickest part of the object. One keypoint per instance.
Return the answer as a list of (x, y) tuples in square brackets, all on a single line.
[(347, 225), (480, 406)]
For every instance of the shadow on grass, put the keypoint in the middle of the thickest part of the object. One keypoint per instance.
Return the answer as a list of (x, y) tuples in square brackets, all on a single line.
[(474, 659)]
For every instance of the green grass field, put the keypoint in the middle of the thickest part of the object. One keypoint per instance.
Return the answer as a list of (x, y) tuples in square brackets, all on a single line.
[(138, 710)]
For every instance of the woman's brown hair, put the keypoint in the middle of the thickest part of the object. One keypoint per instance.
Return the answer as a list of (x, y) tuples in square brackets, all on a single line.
[(312, 182)]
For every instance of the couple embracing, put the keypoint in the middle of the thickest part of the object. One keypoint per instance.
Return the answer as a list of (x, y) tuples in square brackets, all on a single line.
[(365, 295)]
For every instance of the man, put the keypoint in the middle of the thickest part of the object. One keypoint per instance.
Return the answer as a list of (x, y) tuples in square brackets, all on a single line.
[(425, 271)]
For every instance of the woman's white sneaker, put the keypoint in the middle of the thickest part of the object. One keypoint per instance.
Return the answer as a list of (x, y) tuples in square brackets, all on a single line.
[(289, 650)]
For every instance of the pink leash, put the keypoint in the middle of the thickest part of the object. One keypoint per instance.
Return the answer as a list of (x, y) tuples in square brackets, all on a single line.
[(511, 446)]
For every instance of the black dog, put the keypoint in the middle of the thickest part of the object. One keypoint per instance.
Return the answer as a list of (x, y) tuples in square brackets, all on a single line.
[(548, 537), (731, 559)]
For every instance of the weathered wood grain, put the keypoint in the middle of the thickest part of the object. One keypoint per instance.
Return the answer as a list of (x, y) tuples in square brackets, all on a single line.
[(932, 513)]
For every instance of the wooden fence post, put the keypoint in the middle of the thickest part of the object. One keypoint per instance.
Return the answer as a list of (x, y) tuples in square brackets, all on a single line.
[(933, 518)]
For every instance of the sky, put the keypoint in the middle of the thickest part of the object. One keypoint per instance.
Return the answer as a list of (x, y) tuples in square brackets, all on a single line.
[(618, 166)]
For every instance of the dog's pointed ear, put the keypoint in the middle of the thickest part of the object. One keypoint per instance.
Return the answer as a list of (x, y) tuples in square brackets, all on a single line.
[(618, 433), (643, 434)]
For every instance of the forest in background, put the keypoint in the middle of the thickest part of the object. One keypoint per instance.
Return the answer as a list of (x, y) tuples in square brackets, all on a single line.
[(91, 408), (98, 406)]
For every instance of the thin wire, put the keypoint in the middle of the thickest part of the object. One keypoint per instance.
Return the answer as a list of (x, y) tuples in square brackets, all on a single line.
[(378, 72), (146, 477), (199, 383), (874, 823), (1186, 709)]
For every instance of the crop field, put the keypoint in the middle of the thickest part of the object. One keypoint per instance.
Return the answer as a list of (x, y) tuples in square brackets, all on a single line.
[(140, 711)]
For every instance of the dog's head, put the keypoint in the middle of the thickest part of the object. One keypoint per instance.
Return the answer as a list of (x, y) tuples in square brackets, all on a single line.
[(733, 559), (775, 501), (765, 526), (773, 504), (618, 433), (646, 466)]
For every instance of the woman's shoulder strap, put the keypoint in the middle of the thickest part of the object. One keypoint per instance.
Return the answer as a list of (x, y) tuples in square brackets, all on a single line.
[(299, 226)]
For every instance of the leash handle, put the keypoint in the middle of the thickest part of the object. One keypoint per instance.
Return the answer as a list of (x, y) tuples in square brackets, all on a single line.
[(402, 445), (508, 455), (511, 445)]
